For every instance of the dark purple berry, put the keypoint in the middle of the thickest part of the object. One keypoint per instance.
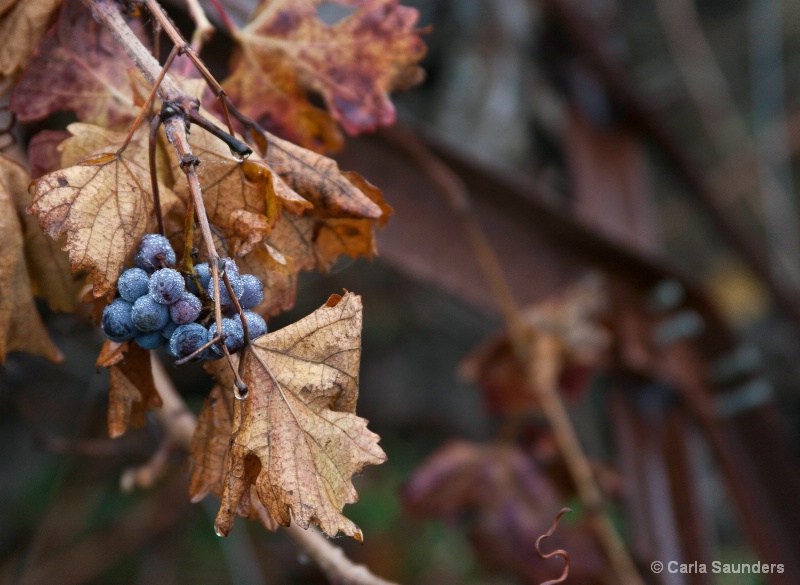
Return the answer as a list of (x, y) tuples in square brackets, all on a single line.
[(116, 322), (234, 339), (186, 309), (150, 340), (153, 252), (187, 339), (132, 284), (166, 286), (253, 291), (149, 315)]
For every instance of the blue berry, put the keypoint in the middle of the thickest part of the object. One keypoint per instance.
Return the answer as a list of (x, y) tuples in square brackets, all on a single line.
[(253, 291), (153, 252), (169, 329), (187, 339), (116, 321), (224, 298), (166, 286), (234, 339), (203, 273), (151, 340), (149, 315), (186, 309), (256, 326), (132, 284)]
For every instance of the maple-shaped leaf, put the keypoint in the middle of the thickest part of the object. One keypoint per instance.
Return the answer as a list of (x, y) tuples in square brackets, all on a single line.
[(296, 437), (21, 328), (21, 27), (132, 391), (103, 204), (77, 66), (287, 52)]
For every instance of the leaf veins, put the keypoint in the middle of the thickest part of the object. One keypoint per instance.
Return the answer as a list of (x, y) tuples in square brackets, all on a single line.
[(103, 204), (296, 437)]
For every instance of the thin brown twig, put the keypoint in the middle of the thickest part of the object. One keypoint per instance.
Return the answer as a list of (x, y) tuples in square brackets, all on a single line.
[(556, 553), (151, 152), (538, 353)]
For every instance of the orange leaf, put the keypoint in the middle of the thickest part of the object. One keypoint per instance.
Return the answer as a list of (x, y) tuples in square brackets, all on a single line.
[(287, 52), (296, 437), (132, 391)]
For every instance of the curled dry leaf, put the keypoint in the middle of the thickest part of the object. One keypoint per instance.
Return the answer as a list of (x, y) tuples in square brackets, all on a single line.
[(103, 204), (21, 328), (21, 27), (132, 391), (77, 66), (296, 437), (209, 451), (48, 265), (287, 52)]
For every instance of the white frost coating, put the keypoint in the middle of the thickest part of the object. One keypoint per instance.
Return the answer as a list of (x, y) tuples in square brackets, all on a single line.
[(166, 286)]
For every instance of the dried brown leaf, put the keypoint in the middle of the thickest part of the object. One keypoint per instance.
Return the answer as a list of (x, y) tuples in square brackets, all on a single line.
[(132, 391), (209, 452), (77, 66), (103, 204), (296, 437), (247, 230), (21, 328), (21, 27), (230, 185), (43, 154), (287, 52), (48, 266)]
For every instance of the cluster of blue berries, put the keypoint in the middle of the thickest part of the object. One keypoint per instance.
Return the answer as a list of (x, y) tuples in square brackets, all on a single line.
[(157, 304)]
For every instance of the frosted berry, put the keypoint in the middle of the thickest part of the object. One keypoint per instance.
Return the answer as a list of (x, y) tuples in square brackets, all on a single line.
[(256, 326), (116, 322), (149, 315), (187, 339), (132, 284), (166, 286), (203, 273), (236, 284), (186, 309), (153, 252), (253, 292), (234, 339)]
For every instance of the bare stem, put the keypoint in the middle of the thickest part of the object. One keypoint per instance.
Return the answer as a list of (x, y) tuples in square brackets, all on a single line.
[(536, 351), (152, 146)]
